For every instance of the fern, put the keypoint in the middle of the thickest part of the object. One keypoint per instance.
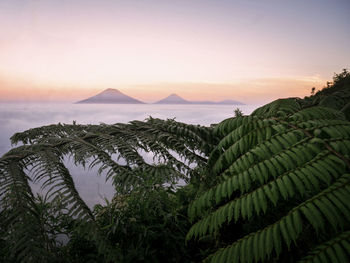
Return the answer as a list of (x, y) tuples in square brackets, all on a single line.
[(191, 143), (282, 153), (334, 250), (46, 167), (318, 211), (19, 199), (116, 150)]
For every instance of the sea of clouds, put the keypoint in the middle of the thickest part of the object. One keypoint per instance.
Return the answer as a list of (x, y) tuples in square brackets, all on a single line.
[(16, 117)]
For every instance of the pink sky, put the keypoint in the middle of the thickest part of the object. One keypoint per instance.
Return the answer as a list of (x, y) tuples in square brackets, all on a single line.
[(60, 50)]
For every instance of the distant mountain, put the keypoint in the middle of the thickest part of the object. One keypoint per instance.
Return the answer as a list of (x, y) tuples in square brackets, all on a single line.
[(173, 99), (111, 96), (114, 96), (230, 102), (176, 99)]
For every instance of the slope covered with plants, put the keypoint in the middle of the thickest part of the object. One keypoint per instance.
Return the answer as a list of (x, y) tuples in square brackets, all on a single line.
[(282, 182), (270, 187)]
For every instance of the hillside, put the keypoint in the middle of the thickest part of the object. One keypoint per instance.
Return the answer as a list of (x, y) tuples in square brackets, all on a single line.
[(335, 95)]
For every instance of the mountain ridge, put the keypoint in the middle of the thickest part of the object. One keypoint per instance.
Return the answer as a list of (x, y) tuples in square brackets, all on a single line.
[(176, 99), (115, 96)]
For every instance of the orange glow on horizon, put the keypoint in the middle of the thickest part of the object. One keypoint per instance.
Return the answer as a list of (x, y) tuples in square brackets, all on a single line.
[(247, 91), (70, 50)]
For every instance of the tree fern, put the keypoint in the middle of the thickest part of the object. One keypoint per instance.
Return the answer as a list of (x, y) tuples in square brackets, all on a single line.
[(116, 150), (192, 143), (281, 153)]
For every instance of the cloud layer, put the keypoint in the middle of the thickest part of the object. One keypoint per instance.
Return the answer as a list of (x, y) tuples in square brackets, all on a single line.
[(16, 117)]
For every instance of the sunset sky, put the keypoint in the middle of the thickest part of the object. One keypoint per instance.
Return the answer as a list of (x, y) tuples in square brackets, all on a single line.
[(64, 50)]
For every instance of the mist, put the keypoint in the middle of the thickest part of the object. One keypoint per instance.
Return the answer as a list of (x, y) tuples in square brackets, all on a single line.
[(17, 117)]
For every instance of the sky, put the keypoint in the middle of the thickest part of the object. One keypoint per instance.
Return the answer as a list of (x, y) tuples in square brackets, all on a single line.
[(252, 51)]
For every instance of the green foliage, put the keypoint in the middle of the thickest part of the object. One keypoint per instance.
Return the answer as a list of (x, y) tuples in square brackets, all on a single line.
[(100, 145), (238, 112), (147, 225), (37, 238), (335, 95), (282, 172), (334, 250), (178, 151)]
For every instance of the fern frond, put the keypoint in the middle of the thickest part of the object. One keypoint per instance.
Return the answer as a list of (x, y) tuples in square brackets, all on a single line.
[(279, 108), (47, 168), (296, 181), (318, 211), (166, 140), (26, 243), (297, 158), (281, 153), (335, 250)]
